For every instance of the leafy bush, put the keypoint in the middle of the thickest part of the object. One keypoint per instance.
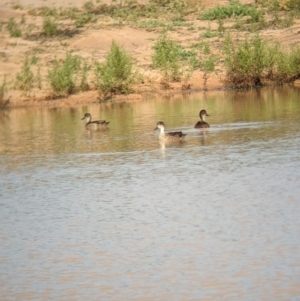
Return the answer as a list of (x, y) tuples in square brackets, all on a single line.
[(287, 65), (88, 6), (3, 102), (209, 34), (25, 78), (134, 10), (50, 27), (180, 9), (171, 59), (245, 61), (160, 2), (13, 28), (84, 19), (280, 20), (276, 5), (293, 5), (68, 76), (115, 75), (166, 58), (17, 6), (206, 61), (123, 10), (151, 24), (49, 11), (233, 9), (253, 61)]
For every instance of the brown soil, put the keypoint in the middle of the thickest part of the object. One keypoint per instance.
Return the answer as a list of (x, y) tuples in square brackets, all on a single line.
[(94, 40)]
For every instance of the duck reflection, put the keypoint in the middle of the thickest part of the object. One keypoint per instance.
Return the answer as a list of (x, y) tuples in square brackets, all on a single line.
[(203, 137)]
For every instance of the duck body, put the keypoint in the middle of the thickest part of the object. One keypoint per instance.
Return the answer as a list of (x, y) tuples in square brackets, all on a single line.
[(170, 135), (94, 125), (202, 124)]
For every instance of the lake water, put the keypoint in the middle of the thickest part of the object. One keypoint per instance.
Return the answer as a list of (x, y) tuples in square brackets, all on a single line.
[(116, 215)]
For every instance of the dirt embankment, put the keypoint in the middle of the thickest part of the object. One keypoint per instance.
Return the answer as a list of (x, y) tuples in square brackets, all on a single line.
[(94, 40)]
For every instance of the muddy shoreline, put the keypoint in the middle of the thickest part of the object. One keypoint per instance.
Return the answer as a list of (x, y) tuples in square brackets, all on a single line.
[(142, 92)]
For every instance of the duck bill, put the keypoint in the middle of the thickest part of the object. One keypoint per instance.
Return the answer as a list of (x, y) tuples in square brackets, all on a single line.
[(156, 129), (82, 118)]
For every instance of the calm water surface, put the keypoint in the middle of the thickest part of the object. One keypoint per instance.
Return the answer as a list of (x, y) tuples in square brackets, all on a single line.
[(115, 215)]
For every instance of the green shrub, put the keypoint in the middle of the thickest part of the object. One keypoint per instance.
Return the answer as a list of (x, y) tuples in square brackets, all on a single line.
[(160, 2), (151, 24), (88, 6), (66, 76), (69, 13), (39, 78), (50, 27), (207, 64), (282, 20), (123, 10), (84, 86), (115, 75), (180, 9), (49, 12), (209, 34), (251, 62), (166, 58), (293, 5), (221, 28), (206, 60), (172, 60), (277, 5), (3, 102), (233, 9), (287, 65), (84, 19), (25, 78), (13, 28), (17, 6), (245, 61)]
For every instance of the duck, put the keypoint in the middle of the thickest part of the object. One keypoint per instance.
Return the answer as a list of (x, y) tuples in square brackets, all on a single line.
[(94, 125), (202, 124), (170, 135)]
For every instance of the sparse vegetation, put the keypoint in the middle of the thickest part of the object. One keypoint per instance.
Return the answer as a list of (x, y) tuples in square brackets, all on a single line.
[(84, 19), (281, 20), (115, 75), (249, 60), (287, 65), (17, 6), (25, 78), (69, 75), (151, 24), (233, 10), (279, 5), (172, 60), (50, 26), (3, 101), (206, 60), (166, 58), (13, 28), (128, 10), (209, 33), (253, 61)]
